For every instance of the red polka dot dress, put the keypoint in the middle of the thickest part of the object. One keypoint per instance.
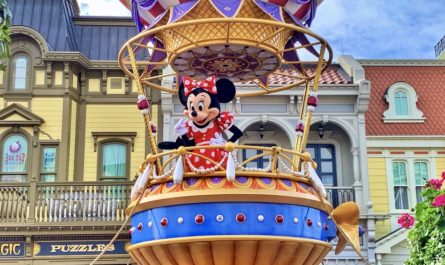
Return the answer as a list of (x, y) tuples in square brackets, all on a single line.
[(210, 135)]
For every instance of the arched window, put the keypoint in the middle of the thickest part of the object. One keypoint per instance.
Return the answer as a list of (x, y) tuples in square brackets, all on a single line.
[(14, 158), (114, 161), (20, 68), (402, 107), (401, 102)]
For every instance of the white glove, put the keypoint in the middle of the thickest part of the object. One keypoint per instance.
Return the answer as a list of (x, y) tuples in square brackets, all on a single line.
[(180, 127)]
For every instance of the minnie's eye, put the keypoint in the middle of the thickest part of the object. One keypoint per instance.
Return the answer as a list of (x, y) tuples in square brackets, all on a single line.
[(200, 106)]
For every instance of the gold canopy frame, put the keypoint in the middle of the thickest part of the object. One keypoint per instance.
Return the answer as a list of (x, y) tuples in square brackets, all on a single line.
[(267, 35)]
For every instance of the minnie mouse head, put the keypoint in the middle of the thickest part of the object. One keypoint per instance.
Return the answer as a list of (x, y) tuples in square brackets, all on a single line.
[(202, 99)]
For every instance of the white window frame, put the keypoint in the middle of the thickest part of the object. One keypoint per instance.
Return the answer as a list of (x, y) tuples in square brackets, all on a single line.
[(412, 198), (414, 114)]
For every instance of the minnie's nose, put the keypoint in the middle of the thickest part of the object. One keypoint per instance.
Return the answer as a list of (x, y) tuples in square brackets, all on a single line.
[(194, 113)]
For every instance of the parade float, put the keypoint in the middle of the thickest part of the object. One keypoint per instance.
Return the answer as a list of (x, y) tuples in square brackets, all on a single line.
[(195, 201)]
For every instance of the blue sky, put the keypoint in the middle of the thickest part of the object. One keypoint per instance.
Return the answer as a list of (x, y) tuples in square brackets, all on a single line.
[(368, 29)]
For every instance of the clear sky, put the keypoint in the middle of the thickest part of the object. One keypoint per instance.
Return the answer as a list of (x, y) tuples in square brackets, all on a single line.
[(370, 29)]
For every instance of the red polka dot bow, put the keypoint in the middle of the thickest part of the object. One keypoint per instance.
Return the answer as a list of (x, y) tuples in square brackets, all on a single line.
[(208, 85)]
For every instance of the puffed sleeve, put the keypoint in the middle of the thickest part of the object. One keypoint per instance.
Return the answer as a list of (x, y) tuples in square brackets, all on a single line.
[(225, 120)]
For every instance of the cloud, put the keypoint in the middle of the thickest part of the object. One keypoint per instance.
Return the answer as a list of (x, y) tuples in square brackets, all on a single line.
[(102, 8), (381, 29)]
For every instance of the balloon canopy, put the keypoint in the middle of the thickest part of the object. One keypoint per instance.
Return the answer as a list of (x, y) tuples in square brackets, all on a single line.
[(147, 13)]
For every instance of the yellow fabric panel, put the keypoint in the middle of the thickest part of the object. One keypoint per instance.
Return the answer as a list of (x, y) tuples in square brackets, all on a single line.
[(72, 140), (378, 186), (113, 118), (40, 77), (51, 110), (94, 85)]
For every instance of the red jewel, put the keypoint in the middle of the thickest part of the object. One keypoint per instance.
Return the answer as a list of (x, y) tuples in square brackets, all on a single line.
[(240, 218), (309, 222), (326, 227), (279, 219), (164, 221), (199, 219), (140, 226)]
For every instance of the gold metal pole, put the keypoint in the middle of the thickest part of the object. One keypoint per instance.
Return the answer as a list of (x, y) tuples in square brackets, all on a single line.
[(315, 89), (298, 140), (147, 118)]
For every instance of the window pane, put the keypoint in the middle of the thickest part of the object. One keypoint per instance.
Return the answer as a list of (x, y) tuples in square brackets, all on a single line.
[(325, 153), (327, 167), (15, 154), (327, 179), (114, 160), (401, 103), (419, 190), (399, 172), (48, 178), (401, 197), (20, 74), (421, 173), (49, 159)]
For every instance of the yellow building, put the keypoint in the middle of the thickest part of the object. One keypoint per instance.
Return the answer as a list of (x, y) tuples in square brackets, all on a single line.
[(405, 143), (71, 136)]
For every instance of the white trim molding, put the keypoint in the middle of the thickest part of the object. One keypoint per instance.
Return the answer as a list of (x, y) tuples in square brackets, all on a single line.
[(414, 114)]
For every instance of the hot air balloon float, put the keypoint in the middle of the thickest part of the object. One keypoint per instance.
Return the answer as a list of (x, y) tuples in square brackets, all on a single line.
[(195, 202)]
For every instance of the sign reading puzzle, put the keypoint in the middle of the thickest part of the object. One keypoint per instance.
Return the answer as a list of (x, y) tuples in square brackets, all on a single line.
[(47, 248)]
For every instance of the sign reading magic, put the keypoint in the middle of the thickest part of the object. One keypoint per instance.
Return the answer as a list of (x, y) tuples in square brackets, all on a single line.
[(46, 248), (12, 249)]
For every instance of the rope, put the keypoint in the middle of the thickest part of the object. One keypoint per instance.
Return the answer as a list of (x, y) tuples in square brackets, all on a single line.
[(129, 261), (124, 224)]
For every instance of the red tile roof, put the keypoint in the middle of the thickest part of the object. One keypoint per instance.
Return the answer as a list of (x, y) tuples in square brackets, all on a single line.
[(429, 83), (330, 76)]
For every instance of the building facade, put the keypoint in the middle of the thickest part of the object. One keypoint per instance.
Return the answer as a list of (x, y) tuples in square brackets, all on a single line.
[(337, 139), (405, 143), (71, 136)]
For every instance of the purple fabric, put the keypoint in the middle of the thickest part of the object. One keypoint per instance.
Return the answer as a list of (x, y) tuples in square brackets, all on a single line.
[(135, 15), (301, 38), (292, 55), (157, 55), (227, 7), (181, 10), (303, 1), (272, 10), (146, 3)]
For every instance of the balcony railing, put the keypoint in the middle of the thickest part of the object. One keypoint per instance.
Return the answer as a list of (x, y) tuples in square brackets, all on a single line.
[(84, 201), (64, 202)]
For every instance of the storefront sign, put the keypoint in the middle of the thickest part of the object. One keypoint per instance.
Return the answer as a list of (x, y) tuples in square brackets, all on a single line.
[(12, 249), (45, 248)]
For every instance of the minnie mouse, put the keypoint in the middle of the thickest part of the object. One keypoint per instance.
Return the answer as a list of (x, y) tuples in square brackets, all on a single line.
[(206, 123)]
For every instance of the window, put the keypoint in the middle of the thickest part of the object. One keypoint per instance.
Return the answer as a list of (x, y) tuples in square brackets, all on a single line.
[(114, 161), (421, 175), (409, 179), (48, 164), (20, 70), (324, 156), (14, 158), (400, 185), (402, 100), (261, 162)]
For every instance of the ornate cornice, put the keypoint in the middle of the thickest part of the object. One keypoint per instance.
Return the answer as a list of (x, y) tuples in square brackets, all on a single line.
[(399, 62), (32, 34)]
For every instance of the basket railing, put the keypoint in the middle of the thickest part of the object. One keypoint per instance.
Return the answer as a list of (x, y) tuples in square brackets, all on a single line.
[(279, 162), (78, 203)]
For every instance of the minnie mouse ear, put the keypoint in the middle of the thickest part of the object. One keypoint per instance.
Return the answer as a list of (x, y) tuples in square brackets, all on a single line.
[(226, 90)]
